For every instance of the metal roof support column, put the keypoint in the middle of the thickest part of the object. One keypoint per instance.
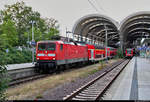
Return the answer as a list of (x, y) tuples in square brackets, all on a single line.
[(92, 40), (78, 38), (81, 38), (121, 40), (98, 41), (85, 39)]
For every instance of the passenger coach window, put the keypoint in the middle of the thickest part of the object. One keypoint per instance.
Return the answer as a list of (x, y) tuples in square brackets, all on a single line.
[(61, 47)]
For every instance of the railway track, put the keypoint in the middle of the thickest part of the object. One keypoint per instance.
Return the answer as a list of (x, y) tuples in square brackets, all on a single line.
[(26, 79), (95, 88), (23, 75), (18, 76)]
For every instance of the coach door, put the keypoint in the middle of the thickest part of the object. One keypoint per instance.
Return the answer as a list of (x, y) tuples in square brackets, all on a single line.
[(92, 54)]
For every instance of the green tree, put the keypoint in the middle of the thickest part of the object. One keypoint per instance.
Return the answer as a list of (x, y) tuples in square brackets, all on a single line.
[(9, 34), (52, 28), (22, 15), (52, 32)]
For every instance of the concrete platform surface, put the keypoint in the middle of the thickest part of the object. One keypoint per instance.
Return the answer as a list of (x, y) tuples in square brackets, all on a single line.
[(133, 83), (19, 66)]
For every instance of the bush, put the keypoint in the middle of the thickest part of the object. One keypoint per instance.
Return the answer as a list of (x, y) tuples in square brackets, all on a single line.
[(119, 54), (15, 56), (4, 80)]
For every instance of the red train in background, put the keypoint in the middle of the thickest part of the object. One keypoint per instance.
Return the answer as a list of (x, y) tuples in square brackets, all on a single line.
[(50, 55), (129, 52)]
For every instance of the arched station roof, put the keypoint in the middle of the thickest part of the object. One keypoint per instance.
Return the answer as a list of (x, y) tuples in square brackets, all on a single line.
[(94, 26), (133, 27)]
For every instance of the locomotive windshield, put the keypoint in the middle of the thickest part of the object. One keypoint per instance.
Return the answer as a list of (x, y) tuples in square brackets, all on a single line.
[(129, 51), (46, 46)]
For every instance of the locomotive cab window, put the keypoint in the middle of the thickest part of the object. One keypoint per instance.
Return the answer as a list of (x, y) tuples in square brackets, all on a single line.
[(128, 51), (41, 46), (61, 47), (51, 46), (46, 46)]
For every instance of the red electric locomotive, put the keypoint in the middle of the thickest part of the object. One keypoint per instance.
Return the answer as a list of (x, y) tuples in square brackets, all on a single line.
[(51, 54)]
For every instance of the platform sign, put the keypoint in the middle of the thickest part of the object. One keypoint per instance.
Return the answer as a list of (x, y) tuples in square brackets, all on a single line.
[(148, 48), (33, 43), (139, 48), (143, 48)]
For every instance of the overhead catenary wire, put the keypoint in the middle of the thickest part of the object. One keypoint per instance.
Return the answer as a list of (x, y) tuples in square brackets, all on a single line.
[(100, 6), (104, 25), (93, 5)]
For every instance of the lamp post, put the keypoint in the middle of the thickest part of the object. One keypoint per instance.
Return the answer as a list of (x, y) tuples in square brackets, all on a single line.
[(106, 40), (32, 22)]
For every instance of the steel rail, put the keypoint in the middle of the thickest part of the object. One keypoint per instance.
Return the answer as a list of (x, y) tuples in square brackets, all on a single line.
[(78, 94)]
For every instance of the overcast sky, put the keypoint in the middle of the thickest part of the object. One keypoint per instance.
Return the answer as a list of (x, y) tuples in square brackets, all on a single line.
[(67, 12)]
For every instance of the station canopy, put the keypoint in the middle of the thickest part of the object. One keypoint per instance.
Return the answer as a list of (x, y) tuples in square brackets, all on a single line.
[(93, 28), (134, 28)]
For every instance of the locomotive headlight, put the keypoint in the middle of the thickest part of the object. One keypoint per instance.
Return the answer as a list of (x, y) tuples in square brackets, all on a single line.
[(40, 54), (53, 58), (52, 55), (37, 58)]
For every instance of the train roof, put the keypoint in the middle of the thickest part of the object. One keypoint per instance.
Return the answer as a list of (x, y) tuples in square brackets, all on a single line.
[(111, 47), (46, 41), (63, 42)]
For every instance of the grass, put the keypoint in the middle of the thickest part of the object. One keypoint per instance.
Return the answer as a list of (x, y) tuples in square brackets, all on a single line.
[(39, 96), (37, 87)]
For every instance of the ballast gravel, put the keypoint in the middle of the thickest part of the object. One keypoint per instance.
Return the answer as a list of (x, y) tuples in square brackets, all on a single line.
[(61, 91)]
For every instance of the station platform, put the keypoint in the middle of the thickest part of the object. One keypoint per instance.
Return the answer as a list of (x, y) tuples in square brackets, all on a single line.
[(133, 83), (19, 66)]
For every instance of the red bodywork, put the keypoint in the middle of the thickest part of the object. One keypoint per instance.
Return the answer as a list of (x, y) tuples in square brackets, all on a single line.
[(110, 52), (64, 53), (56, 53), (95, 53), (129, 52)]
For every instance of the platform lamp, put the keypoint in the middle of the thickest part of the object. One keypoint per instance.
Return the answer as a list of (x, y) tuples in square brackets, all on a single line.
[(33, 41)]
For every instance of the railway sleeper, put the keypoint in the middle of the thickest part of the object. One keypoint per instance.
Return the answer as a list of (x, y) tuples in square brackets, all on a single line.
[(97, 91), (94, 88), (78, 99), (86, 97), (92, 93), (97, 85)]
